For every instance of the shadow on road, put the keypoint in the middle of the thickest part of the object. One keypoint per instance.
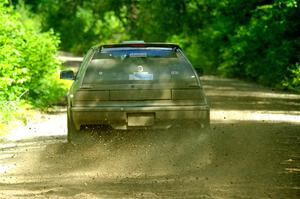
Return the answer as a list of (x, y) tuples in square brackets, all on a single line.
[(244, 156)]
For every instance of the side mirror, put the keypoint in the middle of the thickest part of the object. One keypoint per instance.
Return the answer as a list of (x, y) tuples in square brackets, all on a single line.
[(199, 71), (67, 74)]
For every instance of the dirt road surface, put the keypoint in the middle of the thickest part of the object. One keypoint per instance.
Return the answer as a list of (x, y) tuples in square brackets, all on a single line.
[(253, 151)]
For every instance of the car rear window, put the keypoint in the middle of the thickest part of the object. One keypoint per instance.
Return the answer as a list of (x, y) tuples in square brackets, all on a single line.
[(142, 65)]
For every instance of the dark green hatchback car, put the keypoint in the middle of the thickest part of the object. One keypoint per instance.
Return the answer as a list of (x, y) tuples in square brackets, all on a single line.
[(135, 85)]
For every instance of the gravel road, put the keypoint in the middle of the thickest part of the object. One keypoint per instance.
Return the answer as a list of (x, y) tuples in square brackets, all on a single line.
[(253, 151)]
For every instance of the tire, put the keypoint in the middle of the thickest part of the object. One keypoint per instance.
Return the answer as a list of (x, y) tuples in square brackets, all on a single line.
[(73, 133)]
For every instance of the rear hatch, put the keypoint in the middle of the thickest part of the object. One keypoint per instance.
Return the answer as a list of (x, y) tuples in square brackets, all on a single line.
[(134, 76)]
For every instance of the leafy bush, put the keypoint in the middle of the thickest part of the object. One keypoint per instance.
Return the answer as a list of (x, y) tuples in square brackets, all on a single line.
[(27, 60), (255, 40), (293, 82)]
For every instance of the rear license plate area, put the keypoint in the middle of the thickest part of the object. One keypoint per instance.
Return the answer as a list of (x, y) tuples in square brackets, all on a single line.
[(140, 119)]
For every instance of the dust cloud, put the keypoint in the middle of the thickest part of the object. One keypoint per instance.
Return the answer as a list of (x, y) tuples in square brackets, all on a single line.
[(251, 151)]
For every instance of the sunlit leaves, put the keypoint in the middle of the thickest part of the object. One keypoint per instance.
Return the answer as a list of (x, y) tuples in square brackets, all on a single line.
[(293, 81), (256, 40), (27, 59)]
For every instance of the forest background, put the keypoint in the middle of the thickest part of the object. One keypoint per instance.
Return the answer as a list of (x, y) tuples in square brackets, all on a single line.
[(256, 40)]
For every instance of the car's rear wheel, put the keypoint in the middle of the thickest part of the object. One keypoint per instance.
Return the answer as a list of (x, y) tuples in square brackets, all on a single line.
[(73, 133)]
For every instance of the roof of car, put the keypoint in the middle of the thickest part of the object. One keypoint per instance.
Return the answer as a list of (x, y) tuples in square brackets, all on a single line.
[(140, 44)]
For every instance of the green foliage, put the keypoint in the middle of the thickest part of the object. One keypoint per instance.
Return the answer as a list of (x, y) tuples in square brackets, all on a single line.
[(293, 82), (27, 60), (47, 91), (255, 40), (264, 48)]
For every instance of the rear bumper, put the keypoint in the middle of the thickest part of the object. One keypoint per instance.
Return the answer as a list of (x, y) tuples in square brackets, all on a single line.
[(118, 117)]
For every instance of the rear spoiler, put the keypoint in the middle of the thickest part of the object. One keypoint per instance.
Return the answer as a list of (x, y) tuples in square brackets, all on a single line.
[(124, 45)]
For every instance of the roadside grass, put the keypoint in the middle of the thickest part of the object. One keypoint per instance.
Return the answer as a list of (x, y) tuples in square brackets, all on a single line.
[(17, 113), (12, 115)]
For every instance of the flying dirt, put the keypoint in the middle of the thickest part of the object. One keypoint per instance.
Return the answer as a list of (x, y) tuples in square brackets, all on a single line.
[(251, 151)]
